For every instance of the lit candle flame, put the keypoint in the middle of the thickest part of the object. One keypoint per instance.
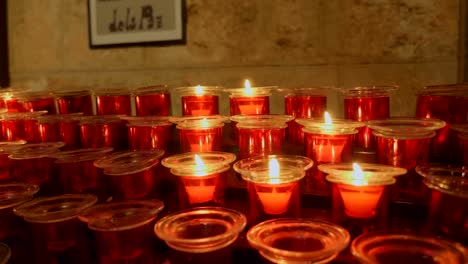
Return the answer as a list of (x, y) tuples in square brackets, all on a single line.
[(199, 90), (248, 89), (204, 123), (199, 164), (274, 171), (328, 119), (358, 176)]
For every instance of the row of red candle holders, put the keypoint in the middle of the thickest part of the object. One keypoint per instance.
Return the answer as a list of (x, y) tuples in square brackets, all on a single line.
[(360, 202)]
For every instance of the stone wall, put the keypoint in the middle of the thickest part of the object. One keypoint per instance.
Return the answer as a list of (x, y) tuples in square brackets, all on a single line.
[(410, 43)]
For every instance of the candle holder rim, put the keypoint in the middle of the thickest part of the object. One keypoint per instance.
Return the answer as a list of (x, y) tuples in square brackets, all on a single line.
[(456, 89), (100, 119), (405, 127), (71, 93), (379, 238), (191, 90), (130, 168), (206, 244), (193, 122), (36, 150), (444, 178), (461, 128), (118, 91), (319, 91), (5, 253), (256, 91), (119, 216), (343, 172), (369, 90), (120, 159), (60, 118), (147, 120), (32, 95), (257, 118), (22, 115), (79, 155), (319, 256), (214, 161), (15, 193), (56, 208), (206, 173), (6, 147), (148, 90)]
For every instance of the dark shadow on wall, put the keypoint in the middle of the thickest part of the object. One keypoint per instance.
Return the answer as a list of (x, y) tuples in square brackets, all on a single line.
[(4, 72)]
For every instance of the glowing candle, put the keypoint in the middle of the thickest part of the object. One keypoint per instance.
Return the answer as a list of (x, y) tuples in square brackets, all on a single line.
[(249, 100), (203, 192), (199, 100), (274, 202)]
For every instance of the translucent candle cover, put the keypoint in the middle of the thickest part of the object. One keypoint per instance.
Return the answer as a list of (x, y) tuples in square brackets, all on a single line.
[(38, 101), (364, 104), (123, 231), (56, 233), (360, 194), (74, 101), (201, 133), (131, 174), (448, 210), (326, 141), (201, 177), (391, 247), (261, 134), (64, 128), (103, 131), (199, 100), (6, 148), (202, 235), (447, 103), (294, 240), (113, 102), (405, 142), (152, 101), (20, 126), (77, 173), (148, 132), (12, 229), (273, 185)]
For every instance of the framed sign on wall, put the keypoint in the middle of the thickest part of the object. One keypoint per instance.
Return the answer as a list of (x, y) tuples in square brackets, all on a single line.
[(127, 22)]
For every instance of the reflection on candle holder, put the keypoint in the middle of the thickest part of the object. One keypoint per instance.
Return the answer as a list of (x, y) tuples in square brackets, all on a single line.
[(131, 174), (327, 141), (449, 196), (405, 142), (261, 134), (199, 100), (152, 101), (20, 126), (303, 103), (201, 176), (77, 173), (291, 240), (12, 230), (6, 148), (123, 230), (273, 185), (360, 194), (74, 101), (148, 132), (447, 103), (201, 133), (364, 104), (201, 235), (103, 131), (390, 248), (32, 163), (64, 128), (57, 234), (9, 101), (113, 102)]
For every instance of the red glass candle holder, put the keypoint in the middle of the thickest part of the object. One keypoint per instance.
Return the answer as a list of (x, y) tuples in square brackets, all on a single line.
[(34, 101), (32, 164), (201, 133), (152, 101), (364, 104), (12, 229), (74, 101), (123, 230), (291, 240), (449, 196), (113, 102), (447, 103), (201, 177), (199, 100), (20, 126), (64, 128), (6, 148), (148, 132), (261, 134), (405, 142), (103, 131), (57, 234), (303, 103), (77, 173), (390, 248), (9, 101), (273, 185), (326, 142), (250, 100), (360, 195), (201, 235)]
